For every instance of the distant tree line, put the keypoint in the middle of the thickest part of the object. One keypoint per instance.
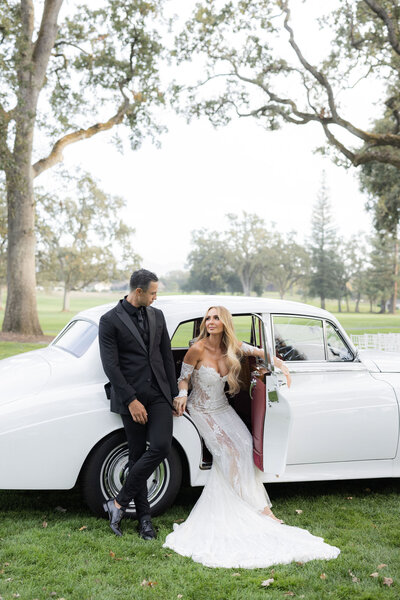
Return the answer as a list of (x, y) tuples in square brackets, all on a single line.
[(252, 257), (81, 238)]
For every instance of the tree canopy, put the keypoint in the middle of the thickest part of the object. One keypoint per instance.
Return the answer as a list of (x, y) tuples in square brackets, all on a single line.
[(250, 73)]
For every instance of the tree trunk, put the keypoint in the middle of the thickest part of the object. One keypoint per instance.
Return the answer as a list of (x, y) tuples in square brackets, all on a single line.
[(357, 309), (66, 299), (1, 296), (322, 302), (339, 305), (396, 273), (32, 61), (347, 303), (383, 306), (370, 305), (21, 312)]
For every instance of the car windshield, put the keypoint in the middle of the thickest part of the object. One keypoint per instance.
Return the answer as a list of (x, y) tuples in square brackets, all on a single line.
[(76, 337)]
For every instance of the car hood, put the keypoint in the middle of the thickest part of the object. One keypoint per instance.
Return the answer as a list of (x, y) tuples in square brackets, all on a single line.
[(23, 374), (381, 360)]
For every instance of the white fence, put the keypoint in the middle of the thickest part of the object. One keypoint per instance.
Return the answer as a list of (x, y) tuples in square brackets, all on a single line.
[(377, 341)]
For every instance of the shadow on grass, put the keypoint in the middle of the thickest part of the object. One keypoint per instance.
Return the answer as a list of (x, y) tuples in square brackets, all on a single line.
[(44, 501)]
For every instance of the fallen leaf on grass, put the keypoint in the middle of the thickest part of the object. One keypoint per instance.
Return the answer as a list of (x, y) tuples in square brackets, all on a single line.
[(289, 594), (298, 511), (374, 575), (146, 583), (16, 595), (112, 554), (235, 574), (60, 509), (179, 521), (53, 594), (8, 564), (267, 582), (322, 576), (83, 527), (353, 577), (349, 498), (44, 524), (387, 581), (299, 563), (9, 579), (180, 596), (382, 566)]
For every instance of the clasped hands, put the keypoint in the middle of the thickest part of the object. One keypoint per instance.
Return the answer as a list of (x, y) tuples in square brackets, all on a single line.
[(179, 404)]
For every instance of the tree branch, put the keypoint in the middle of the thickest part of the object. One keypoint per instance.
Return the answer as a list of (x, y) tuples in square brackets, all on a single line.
[(391, 27), (56, 154), (45, 40)]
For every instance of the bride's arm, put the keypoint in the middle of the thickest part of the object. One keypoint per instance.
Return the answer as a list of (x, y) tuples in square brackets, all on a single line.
[(189, 362), (259, 352)]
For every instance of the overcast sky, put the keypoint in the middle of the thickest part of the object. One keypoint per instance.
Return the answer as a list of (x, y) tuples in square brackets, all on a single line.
[(200, 174)]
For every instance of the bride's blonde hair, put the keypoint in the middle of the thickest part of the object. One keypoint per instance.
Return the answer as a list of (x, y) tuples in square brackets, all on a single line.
[(230, 345)]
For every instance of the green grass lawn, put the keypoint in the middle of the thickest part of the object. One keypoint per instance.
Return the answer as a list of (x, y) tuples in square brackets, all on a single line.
[(49, 554), (46, 553)]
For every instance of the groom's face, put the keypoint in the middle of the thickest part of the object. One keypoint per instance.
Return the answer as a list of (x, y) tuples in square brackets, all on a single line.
[(147, 297)]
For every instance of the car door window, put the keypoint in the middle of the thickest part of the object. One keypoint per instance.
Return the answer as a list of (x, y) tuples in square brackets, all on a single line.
[(337, 350), (298, 338)]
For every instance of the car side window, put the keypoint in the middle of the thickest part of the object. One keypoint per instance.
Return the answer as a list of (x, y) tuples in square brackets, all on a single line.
[(298, 338), (76, 337), (337, 349)]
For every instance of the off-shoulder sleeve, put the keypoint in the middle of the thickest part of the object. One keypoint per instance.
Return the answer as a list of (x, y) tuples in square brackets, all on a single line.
[(247, 348), (186, 372)]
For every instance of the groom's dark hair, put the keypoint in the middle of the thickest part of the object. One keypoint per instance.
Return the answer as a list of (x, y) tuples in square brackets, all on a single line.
[(141, 279)]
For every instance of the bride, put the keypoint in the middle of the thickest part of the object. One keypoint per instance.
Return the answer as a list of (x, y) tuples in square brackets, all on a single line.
[(232, 524)]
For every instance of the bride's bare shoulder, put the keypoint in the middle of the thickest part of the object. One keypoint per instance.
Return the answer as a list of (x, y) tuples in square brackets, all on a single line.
[(195, 352)]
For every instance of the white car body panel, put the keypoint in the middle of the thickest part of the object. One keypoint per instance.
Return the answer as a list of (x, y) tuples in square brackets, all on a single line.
[(53, 410)]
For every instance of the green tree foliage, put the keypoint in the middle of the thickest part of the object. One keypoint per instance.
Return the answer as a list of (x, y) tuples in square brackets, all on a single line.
[(380, 279), (326, 277), (382, 184), (66, 78), (289, 263), (210, 270), (80, 235), (253, 57)]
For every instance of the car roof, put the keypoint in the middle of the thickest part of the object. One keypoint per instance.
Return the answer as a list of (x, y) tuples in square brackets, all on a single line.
[(190, 306)]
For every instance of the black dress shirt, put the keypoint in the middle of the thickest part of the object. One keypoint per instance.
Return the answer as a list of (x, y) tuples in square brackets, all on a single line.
[(139, 319)]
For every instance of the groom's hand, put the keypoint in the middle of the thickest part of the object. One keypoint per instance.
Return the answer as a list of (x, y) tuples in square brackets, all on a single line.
[(138, 412)]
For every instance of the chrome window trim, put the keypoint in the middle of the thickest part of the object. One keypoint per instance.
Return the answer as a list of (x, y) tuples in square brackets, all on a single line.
[(314, 364)]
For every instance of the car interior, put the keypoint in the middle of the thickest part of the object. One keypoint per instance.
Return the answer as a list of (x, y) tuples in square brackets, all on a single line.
[(248, 329)]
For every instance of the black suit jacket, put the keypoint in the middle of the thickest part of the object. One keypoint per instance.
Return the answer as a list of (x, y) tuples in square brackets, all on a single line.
[(127, 362)]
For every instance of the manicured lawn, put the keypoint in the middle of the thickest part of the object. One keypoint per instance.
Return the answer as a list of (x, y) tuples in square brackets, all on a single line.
[(48, 554)]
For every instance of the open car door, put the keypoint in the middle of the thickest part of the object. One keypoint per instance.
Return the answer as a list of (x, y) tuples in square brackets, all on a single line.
[(270, 408)]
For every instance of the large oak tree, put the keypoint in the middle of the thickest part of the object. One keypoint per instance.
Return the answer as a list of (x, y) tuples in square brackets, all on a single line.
[(66, 78), (250, 73)]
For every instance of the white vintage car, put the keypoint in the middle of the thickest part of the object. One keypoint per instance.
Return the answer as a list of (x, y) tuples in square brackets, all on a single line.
[(339, 419)]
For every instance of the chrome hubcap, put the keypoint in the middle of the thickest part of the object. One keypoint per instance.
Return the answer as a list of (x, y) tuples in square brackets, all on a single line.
[(115, 471)]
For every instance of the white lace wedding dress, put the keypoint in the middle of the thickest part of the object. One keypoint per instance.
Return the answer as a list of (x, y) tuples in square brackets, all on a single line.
[(226, 527)]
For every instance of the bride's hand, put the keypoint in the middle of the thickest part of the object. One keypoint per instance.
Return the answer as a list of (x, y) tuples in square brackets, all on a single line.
[(179, 404), (281, 365)]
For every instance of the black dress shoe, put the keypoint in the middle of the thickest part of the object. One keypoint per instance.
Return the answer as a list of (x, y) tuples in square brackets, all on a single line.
[(146, 530), (115, 514)]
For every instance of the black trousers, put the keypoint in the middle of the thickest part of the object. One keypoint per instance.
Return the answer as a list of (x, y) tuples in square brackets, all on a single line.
[(143, 458)]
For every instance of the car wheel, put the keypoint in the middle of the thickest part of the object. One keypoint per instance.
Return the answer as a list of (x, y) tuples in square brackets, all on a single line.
[(107, 467)]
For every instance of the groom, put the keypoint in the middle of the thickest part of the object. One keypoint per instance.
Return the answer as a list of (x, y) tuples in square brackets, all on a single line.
[(136, 354)]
